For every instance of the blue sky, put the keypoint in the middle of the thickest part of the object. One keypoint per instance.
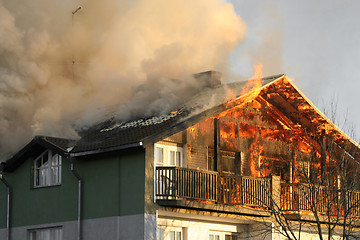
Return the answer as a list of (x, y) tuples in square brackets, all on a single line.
[(317, 43)]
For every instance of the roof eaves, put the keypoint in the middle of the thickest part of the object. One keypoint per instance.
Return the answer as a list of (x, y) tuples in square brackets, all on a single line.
[(22, 155), (43, 141), (106, 150)]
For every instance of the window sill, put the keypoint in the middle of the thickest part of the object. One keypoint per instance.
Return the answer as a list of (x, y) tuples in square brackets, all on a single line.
[(47, 186)]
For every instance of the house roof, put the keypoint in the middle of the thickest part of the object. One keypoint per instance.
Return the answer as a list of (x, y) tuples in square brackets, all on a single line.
[(115, 134), (37, 145)]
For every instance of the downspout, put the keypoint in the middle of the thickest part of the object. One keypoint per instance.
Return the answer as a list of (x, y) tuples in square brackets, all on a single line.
[(80, 182), (8, 201)]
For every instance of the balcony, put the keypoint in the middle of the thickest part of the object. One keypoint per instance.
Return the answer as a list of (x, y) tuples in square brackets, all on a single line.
[(208, 190), (310, 198)]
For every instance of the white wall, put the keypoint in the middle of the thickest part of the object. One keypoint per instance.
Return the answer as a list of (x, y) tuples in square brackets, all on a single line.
[(197, 230)]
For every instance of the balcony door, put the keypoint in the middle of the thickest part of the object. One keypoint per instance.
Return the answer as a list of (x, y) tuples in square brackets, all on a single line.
[(166, 157)]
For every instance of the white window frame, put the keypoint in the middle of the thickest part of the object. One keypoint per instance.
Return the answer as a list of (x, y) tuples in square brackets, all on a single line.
[(47, 169), (167, 153), (53, 233), (222, 235), (168, 231)]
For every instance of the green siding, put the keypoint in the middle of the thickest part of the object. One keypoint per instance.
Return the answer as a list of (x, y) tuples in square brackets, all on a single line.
[(40, 205), (3, 196), (100, 184), (113, 185), (132, 184)]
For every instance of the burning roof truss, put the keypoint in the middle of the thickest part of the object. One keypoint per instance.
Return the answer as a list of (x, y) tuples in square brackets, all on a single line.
[(269, 130)]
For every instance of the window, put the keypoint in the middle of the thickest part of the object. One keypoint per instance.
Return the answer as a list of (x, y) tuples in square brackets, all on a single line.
[(213, 235), (47, 169), (232, 237), (160, 235), (46, 234), (159, 156), (170, 233), (168, 155), (228, 162), (175, 235), (175, 157)]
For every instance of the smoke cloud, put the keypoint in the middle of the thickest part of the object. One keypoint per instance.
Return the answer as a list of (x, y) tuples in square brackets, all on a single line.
[(58, 68)]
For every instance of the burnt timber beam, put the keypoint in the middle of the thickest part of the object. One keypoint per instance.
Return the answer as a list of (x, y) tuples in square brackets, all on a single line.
[(217, 163), (275, 113)]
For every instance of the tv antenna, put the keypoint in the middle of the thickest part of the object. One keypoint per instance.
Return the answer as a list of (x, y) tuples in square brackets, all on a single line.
[(72, 24)]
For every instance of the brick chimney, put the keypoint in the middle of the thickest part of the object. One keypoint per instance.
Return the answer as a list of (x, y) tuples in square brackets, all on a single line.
[(210, 79)]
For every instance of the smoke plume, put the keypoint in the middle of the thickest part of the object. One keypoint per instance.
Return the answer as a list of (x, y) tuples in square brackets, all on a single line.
[(58, 67)]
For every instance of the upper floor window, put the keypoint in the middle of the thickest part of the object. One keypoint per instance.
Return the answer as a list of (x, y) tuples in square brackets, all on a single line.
[(47, 169), (166, 155)]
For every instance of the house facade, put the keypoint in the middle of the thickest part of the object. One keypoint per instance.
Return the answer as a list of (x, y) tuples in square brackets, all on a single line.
[(255, 165)]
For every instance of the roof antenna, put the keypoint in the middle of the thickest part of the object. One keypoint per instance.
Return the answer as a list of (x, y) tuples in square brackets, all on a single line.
[(72, 24)]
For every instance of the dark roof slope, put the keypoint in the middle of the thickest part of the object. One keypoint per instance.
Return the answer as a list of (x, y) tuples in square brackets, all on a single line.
[(115, 133)]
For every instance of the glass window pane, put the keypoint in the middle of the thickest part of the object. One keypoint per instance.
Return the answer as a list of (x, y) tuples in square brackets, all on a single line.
[(45, 158), (32, 235), (47, 170), (178, 159), (172, 235), (160, 234), (172, 158), (178, 235), (159, 153), (37, 178), (42, 177), (46, 234), (213, 236)]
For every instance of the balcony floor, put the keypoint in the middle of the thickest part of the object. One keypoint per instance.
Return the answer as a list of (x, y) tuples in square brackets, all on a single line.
[(196, 205)]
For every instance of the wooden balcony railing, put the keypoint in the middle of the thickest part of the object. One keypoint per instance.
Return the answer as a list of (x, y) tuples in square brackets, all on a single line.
[(175, 183), (209, 186), (248, 191), (319, 199)]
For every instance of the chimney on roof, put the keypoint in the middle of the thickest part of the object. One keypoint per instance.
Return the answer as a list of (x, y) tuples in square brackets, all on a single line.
[(209, 78)]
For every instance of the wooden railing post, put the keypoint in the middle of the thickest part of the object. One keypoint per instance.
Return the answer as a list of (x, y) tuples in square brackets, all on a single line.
[(218, 186), (276, 191)]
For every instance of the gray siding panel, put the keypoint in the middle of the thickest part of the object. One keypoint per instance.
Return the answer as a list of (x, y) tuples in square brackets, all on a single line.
[(118, 227)]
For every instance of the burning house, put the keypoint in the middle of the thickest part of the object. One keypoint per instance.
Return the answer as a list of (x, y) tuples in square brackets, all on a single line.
[(234, 162)]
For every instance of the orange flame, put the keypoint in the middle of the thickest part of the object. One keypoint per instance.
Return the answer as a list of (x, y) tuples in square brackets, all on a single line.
[(254, 82)]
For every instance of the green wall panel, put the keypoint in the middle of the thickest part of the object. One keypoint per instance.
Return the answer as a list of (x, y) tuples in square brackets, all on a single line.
[(41, 205), (113, 185), (132, 183)]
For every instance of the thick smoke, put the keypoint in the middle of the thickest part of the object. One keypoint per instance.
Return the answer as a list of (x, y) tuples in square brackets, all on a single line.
[(58, 68)]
